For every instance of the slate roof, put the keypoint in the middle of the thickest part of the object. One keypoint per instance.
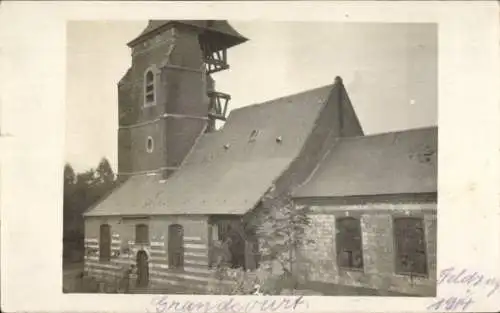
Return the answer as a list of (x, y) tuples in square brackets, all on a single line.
[(218, 180), (222, 27), (402, 162)]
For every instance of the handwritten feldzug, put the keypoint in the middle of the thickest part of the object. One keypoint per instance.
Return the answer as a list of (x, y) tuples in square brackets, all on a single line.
[(227, 304), (472, 281)]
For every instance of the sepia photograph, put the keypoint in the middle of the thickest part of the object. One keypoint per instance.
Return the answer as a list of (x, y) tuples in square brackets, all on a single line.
[(249, 156), (221, 157)]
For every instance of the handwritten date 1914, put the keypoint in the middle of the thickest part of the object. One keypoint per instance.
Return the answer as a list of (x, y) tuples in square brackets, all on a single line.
[(451, 304)]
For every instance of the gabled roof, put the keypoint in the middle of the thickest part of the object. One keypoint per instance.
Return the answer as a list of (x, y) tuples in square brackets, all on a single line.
[(228, 171), (220, 27), (402, 162)]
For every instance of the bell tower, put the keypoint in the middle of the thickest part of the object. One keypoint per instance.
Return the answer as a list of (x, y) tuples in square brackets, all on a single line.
[(167, 98)]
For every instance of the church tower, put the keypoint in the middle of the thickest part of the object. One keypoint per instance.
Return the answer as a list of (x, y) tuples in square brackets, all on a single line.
[(167, 98)]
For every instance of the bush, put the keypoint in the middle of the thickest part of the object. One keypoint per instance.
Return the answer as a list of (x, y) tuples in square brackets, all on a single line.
[(230, 281)]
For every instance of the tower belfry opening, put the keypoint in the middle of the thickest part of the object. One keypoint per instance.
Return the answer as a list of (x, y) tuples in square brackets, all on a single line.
[(216, 38), (215, 60)]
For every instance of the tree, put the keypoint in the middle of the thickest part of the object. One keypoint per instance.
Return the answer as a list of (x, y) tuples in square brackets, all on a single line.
[(282, 234), (105, 173), (69, 175), (81, 191), (68, 192)]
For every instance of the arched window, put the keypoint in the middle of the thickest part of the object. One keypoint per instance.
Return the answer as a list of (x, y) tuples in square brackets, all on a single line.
[(411, 256), (105, 243), (349, 243), (141, 234), (176, 246), (149, 88)]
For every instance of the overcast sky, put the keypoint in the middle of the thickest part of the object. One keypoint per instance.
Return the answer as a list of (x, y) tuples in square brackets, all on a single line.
[(390, 72)]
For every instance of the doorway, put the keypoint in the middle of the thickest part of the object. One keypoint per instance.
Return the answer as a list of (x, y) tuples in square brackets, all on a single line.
[(175, 246), (142, 269)]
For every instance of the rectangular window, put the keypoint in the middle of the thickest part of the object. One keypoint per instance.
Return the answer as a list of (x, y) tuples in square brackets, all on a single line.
[(105, 243), (141, 234), (349, 243), (411, 257)]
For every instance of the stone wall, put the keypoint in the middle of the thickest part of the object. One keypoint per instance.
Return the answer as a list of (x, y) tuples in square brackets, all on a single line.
[(378, 247)]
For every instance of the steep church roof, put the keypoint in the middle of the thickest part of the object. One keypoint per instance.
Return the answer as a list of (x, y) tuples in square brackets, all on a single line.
[(228, 171), (402, 162), (220, 27)]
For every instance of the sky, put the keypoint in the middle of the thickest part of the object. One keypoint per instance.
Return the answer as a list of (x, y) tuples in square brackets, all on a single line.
[(389, 71)]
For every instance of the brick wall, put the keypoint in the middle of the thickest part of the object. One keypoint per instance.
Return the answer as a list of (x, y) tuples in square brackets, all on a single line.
[(123, 235), (180, 88), (378, 247)]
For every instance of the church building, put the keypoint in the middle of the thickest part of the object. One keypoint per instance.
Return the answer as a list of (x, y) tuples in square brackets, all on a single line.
[(186, 186)]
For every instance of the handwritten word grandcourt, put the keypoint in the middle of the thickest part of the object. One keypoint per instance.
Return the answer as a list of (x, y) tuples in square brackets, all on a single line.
[(231, 304)]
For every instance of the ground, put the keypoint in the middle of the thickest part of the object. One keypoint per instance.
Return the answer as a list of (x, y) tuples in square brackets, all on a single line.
[(73, 281)]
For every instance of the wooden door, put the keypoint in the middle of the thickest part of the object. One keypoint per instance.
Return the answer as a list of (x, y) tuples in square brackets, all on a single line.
[(142, 269)]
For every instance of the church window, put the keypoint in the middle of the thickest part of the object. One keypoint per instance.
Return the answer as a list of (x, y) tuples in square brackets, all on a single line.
[(176, 246), (411, 257), (105, 243), (349, 243), (149, 88), (141, 234), (149, 145)]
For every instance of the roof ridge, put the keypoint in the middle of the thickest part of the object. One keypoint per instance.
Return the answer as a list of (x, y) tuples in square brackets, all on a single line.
[(386, 133), (331, 85)]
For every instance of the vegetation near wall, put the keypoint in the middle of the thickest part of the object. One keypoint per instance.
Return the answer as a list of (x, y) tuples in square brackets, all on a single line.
[(280, 226)]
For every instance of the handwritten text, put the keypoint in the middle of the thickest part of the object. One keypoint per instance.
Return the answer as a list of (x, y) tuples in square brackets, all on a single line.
[(473, 282), (228, 304)]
